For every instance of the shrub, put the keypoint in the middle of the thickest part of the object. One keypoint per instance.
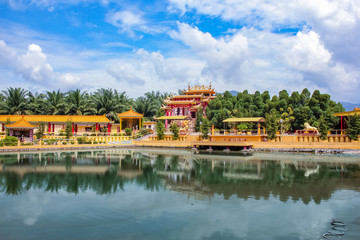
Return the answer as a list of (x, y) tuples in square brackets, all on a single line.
[(175, 130), (205, 128), (81, 140), (128, 131), (145, 131), (41, 129), (160, 129), (9, 141)]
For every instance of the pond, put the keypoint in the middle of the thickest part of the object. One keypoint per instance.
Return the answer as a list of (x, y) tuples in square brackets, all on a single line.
[(177, 194)]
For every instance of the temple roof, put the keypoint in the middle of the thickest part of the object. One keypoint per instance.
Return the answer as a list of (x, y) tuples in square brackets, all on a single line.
[(180, 102), (348, 113), (199, 89), (248, 119), (21, 124), (187, 96), (174, 118), (130, 114), (56, 118)]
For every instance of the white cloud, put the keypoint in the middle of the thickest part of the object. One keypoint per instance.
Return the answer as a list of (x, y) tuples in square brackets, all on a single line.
[(308, 53), (148, 71), (33, 65), (126, 73), (34, 68), (225, 57)]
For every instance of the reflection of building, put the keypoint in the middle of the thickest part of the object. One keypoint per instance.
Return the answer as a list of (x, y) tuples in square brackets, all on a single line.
[(186, 105)]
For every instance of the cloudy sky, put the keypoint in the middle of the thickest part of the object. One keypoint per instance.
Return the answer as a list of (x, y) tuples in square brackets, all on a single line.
[(140, 46)]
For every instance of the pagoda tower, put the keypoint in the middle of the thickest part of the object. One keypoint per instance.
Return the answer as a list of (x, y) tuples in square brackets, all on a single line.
[(194, 98)]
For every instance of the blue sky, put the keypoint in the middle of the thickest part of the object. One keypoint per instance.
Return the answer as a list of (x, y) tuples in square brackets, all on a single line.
[(141, 46)]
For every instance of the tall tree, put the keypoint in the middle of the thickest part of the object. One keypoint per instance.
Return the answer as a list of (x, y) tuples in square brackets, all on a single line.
[(37, 104), (79, 104), (160, 129), (105, 103), (353, 130), (272, 124), (145, 106), (55, 103), (15, 101)]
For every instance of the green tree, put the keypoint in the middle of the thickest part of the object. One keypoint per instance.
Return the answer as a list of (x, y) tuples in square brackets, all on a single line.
[(199, 119), (205, 128), (37, 104), (15, 101), (287, 119), (6, 129), (79, 104), (353, 130), (68, 129), (323, 128), (128, 131), (145, 106), (272, 124), (160, 129), (174, 128), (55, 103), (40, 131), (105, 102)]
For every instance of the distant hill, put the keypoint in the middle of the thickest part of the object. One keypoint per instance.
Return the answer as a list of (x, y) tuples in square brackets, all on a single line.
[(233, 92), (350, 106)]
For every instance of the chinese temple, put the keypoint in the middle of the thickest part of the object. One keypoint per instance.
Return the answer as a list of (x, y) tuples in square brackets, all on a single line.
[(345, 115), (185, 106)]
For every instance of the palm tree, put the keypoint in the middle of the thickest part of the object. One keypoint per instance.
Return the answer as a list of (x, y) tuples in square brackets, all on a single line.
[(145, 106), (79, 104), (37, 104), (105, 102), (123, 102), (15, 101), (55, 102), (156, 97)]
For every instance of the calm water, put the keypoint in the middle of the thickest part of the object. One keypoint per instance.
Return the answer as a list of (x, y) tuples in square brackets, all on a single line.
[(175, 194)]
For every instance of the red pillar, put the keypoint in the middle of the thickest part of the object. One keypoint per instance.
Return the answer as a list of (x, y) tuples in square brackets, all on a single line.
[(49, 127), (76, 128), (3, 128), (72, 128), (109, 127), (96, 127), (53, 128)]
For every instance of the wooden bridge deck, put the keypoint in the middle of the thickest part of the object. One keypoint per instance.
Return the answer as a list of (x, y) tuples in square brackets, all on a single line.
[(221, 145)]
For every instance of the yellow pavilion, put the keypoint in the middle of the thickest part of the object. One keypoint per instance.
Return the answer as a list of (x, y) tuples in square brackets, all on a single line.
[(130, 119)]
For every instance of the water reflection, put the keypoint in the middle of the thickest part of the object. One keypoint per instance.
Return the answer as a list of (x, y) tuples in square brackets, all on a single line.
[(258, 175)]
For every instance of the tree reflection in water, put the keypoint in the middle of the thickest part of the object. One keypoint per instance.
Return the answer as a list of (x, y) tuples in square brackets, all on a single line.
[(107, 173)]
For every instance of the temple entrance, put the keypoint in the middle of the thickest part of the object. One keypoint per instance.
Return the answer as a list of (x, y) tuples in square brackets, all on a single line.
[(193, 114)]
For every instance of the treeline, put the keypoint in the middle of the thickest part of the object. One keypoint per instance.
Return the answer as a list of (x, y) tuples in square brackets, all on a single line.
[(294, 109), (77, 102)]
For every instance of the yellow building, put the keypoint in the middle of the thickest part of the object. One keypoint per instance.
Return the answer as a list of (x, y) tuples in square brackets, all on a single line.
[(55, 123), (130, 119)]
